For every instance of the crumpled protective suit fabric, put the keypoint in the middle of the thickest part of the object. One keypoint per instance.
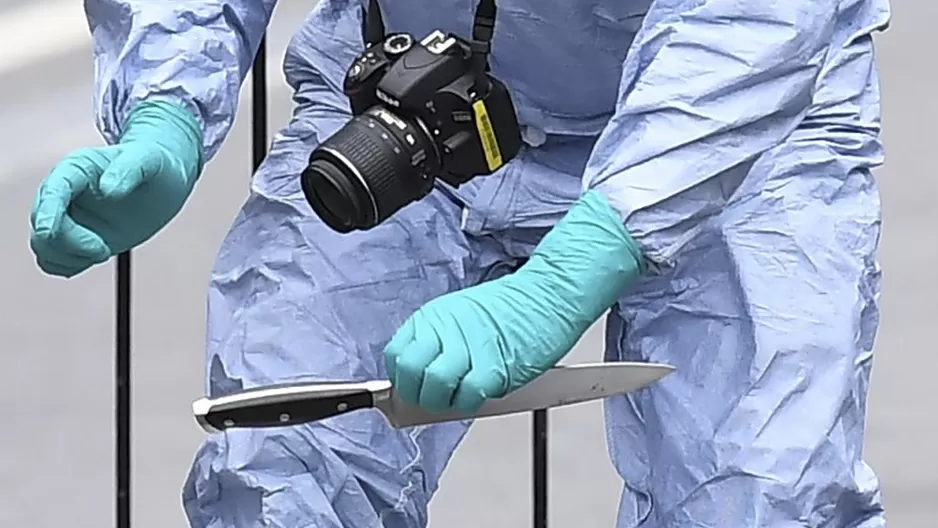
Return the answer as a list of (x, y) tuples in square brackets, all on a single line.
[(735, 139)]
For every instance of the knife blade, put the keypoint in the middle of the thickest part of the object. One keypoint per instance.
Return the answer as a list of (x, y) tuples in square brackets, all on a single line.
[(296, 403)]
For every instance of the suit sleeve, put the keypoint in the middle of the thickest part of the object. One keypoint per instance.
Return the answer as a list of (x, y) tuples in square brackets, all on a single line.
[(195, 53), (707, 86)]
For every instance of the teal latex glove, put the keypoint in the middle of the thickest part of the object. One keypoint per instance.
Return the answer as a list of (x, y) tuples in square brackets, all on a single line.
[(101, 201), (485, 341)]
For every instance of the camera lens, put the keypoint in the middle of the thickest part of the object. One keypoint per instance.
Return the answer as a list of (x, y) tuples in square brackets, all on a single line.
[(369, 169), (334, 197)]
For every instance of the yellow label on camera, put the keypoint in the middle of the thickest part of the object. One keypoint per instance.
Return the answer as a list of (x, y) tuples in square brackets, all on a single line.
[(493, 156)]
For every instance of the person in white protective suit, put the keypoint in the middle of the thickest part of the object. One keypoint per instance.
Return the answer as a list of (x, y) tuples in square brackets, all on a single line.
[(700, 170)]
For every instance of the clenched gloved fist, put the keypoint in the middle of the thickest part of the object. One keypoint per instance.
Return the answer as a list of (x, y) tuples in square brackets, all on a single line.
[(98, 202), (485, 341)]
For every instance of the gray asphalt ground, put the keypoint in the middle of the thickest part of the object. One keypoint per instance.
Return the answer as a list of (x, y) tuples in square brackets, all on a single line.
[(56, 336)]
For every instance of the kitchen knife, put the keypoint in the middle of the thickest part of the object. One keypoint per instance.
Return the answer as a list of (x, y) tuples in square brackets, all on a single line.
[(296, 403)]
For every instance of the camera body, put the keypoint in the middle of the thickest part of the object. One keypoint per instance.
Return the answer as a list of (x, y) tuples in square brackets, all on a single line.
[(433, 82), (421, 110)]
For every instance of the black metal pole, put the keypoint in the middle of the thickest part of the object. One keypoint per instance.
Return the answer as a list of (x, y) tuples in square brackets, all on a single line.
[(259, 106), (122, 371), (539, 451), (122, 377)]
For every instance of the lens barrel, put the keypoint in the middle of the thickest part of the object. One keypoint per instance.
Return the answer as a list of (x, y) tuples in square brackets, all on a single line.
[(369, 169)]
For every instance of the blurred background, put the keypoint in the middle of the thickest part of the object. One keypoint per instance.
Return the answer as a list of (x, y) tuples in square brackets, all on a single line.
[(56, 336)]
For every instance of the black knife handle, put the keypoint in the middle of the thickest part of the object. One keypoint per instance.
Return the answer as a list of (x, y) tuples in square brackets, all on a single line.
[(285, 412)]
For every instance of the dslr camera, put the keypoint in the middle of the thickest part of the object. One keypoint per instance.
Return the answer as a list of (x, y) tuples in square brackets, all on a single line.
[(421, 110)]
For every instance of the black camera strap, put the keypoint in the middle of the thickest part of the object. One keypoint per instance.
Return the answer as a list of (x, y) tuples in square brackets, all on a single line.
[(372, 24), (483, 28)]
